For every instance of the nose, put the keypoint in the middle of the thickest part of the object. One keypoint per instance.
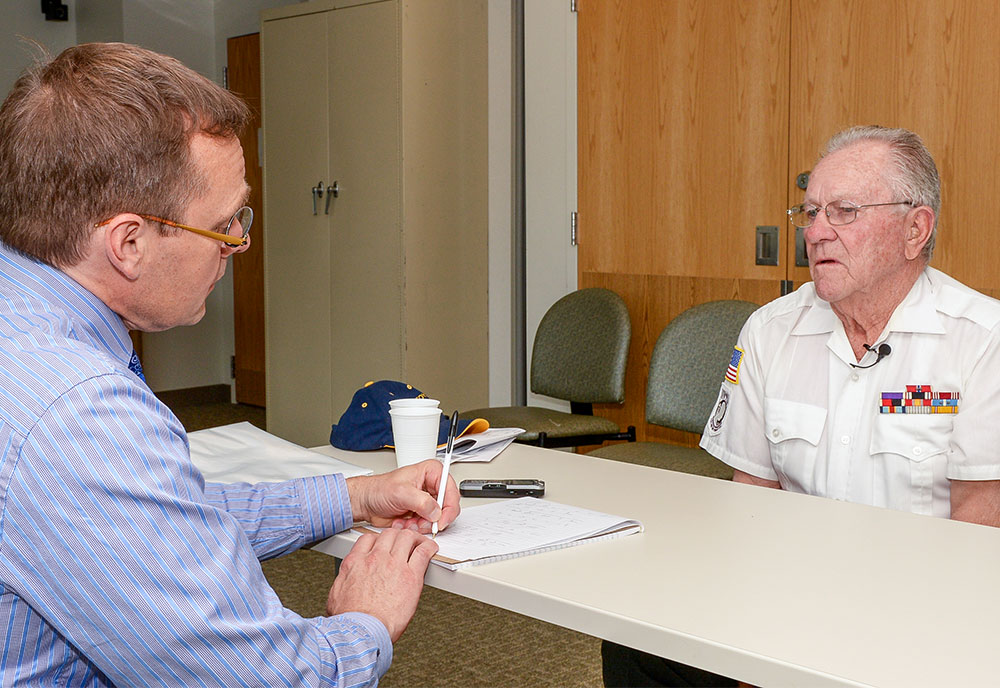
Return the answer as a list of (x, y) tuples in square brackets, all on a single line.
[(819, 230), (228, 250)]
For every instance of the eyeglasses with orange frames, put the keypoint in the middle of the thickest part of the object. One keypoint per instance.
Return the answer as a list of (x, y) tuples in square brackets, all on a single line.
[(237, 229)]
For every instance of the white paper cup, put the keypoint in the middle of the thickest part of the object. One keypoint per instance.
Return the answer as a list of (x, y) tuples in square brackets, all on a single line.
[(414, 403), (415, 433)]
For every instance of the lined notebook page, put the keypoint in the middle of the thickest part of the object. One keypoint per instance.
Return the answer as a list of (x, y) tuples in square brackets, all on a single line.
[(517, 527)]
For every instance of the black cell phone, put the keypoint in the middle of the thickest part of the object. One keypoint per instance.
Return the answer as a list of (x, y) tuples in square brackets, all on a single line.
[(502, 488)]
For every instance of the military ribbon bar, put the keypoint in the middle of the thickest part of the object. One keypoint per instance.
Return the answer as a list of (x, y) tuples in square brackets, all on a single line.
[(919, 399)]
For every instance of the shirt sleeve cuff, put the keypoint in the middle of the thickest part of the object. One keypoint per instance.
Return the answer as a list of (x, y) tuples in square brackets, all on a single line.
[(327, 505), (738, 462), (379, 633), (959, 472)]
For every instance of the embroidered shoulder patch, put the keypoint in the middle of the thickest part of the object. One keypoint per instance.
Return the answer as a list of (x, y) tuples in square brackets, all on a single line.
[(733, 371), (719, 414)]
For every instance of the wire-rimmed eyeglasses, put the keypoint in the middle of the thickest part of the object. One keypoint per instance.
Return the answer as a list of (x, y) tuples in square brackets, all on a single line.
[(838, 213)]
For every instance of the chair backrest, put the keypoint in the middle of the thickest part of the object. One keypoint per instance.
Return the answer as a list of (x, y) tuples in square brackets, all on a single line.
[(581, 348), (689, 363)]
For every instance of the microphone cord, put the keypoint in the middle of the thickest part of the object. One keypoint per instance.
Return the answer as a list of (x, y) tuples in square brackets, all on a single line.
[(881, 352)]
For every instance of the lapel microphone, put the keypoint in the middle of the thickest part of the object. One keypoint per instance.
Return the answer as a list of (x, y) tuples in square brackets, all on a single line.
[(881, 352)]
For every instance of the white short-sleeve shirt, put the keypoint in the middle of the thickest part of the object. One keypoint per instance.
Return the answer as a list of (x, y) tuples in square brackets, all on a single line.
[(793, 409)]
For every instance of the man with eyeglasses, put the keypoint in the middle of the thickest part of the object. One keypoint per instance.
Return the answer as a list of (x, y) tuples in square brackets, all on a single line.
[(876, 382), (122, 196)]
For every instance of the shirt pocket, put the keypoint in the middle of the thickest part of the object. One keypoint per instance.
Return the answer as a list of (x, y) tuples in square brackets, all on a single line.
[(916, 437), (913, 448), (794, 431)]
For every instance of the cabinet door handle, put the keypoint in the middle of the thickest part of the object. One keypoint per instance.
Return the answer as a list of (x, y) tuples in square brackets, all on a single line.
[(332, 192), (317, 192)]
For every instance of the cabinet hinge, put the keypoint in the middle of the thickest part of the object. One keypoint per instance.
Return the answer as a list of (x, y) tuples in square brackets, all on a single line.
[(232, 367), (572, 228), (225, 78), (572, 5)]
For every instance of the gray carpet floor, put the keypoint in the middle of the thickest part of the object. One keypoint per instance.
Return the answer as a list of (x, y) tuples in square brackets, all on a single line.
[(452, 641)]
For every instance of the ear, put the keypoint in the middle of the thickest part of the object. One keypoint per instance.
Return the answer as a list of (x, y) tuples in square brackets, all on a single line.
[(920, 224), (127, 244)]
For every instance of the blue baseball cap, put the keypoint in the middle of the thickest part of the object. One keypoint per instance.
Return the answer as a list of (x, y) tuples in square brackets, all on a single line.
[(366, 424)]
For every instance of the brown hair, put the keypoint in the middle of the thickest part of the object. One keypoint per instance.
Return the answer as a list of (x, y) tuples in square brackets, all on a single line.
[(103, 128)]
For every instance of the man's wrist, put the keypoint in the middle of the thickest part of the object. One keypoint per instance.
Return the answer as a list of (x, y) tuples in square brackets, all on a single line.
[(356, 488)]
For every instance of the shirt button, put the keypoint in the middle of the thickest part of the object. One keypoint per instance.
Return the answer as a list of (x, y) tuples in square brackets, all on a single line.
[(917, 451), (775, 433), (855, 377), (845, 439)]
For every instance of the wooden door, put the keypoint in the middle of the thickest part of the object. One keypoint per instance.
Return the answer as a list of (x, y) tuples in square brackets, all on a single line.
[(683, 152), (928, 66), (297, 260), (243, 60)]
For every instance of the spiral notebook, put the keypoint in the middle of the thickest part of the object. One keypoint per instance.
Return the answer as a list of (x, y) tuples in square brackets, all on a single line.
[(520, 527)]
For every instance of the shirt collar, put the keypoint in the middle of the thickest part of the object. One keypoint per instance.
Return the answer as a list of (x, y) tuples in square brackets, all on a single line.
[(91, 319), (917, 312)]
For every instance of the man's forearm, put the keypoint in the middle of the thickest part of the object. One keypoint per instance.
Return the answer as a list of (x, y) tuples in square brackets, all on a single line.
[(741, 477), (976, 501)]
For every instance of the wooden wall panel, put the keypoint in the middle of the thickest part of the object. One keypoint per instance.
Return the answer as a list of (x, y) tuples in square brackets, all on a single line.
[(928, 66), (696, 117), (683, 151), (653, 301), (683, 137)]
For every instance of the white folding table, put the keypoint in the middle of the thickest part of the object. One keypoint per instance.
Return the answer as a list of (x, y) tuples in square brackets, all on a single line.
[(766, 586)]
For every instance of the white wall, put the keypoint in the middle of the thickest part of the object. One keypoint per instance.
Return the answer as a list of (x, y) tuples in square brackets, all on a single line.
[(25, 18), (550, 176), (98, 21), (550, 163), (238, 18), (500, 75)]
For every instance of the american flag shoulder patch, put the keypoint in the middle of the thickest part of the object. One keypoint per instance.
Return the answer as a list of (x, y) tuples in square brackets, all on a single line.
[(733, 371)]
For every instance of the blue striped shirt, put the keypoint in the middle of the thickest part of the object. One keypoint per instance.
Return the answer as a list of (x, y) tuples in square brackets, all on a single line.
[(119, 565)]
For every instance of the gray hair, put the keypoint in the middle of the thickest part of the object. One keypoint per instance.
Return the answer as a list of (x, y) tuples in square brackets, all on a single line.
[(913, 175)]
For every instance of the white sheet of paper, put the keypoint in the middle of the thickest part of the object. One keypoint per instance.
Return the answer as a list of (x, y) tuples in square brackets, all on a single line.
[(243, 453), (520, 525), (482, 446)]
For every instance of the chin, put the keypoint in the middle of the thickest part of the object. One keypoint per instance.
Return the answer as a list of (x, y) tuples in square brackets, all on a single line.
[(192, 319), (826, 291)]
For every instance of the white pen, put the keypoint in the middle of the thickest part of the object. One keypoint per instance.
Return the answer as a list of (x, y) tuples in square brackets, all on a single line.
[(444, 468)]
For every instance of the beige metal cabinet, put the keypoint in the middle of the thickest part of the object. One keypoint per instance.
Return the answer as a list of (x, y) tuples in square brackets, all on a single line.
[(375, 184)]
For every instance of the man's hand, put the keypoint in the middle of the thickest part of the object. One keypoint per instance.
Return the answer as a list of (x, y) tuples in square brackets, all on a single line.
[(383, 575), (404, 498)]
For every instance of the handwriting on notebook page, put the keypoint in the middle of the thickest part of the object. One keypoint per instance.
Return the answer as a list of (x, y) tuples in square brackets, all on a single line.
[(517, 525)]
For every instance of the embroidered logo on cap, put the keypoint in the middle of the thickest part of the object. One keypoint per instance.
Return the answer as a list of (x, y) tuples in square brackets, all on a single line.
[(733, 371)]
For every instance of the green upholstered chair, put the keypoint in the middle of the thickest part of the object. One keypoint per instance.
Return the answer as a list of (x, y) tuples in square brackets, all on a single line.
[(685, 371), (579, 355)]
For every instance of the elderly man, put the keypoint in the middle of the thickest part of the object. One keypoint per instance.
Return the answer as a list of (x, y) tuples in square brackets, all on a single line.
[(875, 383), (122, 197)]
